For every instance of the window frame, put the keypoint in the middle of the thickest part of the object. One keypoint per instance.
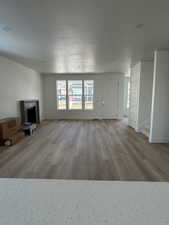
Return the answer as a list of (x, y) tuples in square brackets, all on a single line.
[(86, 95), (68, 109), (60, 95), (67, 96)]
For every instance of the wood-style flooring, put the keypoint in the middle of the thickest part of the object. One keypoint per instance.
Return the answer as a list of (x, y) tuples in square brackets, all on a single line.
[(99, 150)]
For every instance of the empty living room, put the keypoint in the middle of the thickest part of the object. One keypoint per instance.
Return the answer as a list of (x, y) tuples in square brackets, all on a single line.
[(84, 112)]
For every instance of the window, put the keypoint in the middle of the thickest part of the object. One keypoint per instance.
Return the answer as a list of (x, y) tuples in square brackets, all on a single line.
[(74, 94), (61, 95), (88, 94)]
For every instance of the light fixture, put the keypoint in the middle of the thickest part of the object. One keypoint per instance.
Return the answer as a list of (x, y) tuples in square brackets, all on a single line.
[(139, 26)]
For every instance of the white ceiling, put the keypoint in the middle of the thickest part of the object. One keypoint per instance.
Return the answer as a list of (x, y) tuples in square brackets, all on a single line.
[(82, 36)]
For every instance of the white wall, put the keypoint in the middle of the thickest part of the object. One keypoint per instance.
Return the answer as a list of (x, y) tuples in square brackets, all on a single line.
[(141, 95), (17, 83), (159, 132), (126, 81), (107, 87), (145, 95)]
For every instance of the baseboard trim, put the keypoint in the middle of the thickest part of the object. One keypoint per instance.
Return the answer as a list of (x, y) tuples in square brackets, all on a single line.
[(159, 140), (82, 119)]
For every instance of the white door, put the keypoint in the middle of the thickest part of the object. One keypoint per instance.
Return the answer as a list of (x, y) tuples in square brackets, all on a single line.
[(110, 101)]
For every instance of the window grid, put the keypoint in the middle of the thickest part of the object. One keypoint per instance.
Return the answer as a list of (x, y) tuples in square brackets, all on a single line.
[(61, 94), (82, 101), (75, 94)]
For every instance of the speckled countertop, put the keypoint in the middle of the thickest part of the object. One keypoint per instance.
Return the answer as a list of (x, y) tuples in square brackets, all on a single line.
[(59, 202)]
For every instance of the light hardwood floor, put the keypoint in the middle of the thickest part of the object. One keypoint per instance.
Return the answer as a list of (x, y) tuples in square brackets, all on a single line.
[(102, 150)]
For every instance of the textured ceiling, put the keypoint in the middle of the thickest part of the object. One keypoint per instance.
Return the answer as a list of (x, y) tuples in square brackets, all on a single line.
[(82, 36)]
